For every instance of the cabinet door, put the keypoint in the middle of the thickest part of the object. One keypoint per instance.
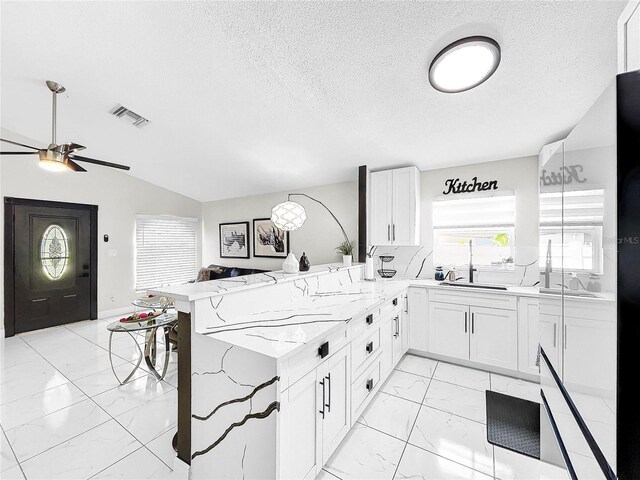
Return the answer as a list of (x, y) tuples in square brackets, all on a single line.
[(448, 327), (380, 208), (494, 337), (396, 338), (418, 299), (404, 228), (550, 334), (589, 353), (337, 401), (386, 345), (528, 334), (301, 425), (629, 37)]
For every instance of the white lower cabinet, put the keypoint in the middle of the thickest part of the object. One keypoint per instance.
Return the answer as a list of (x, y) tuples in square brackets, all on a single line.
[(493, 337), (418, 315), (480, 334), (448, 330), (528, 334), (315, 415)]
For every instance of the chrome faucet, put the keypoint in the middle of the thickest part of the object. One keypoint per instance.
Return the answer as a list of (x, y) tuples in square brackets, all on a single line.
[(548, 267), (471, 269)]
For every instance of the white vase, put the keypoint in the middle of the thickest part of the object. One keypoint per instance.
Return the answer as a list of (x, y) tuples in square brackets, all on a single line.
[(346, 260), (290, 264)]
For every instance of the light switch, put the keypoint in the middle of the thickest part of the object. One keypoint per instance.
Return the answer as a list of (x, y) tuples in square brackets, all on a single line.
[(113, 252)]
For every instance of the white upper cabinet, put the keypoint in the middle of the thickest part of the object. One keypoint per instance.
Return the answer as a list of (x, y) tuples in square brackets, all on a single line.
[(629, 38), (394, 207)]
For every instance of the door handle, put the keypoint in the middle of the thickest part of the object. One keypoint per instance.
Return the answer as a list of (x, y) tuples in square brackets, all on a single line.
[(397, 322), (328, 405), (406, 304), (369, 319), (389, 232), (370, 384), (555, 327), (394, 232), (35, 300), (473, 323), (465, 322), (323, 404), (369, 347), (70, 296)]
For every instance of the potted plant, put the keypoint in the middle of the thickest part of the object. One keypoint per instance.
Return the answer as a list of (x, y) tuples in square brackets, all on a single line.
[(346, 249)]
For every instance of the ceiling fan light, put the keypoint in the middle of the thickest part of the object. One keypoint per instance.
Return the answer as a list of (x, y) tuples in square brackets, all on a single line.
[(464, 64), (288, 215), (52, 161)]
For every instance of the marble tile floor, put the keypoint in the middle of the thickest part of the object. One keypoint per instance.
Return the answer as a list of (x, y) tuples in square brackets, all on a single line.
[(428, 422), (64, 416)]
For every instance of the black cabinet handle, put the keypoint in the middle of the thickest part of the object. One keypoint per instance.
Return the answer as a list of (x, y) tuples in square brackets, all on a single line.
[(370, 384), (395, 302), (369, 347), (323, 351), (370, 319), (328, 405), (323, 404), (465, 322), (473, 323)]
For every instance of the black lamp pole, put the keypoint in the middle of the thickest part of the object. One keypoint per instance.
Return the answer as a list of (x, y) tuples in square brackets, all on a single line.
[(326, 208)]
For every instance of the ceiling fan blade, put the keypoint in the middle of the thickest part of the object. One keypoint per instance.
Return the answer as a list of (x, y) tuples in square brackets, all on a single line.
[(74, 166), (18, 153), (18, 144), (98, 162), (75, 146)]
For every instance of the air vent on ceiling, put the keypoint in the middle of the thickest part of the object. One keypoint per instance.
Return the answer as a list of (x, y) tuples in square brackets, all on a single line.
[(132, 117)]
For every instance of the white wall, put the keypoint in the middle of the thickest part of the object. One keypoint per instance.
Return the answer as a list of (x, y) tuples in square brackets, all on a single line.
[(318, 237), (519, 175), (119, 197)]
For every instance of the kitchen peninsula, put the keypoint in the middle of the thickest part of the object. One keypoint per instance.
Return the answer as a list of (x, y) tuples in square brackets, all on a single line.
[(281, 366)]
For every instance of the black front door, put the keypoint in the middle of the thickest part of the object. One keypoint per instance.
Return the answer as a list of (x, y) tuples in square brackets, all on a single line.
[(50, 251)]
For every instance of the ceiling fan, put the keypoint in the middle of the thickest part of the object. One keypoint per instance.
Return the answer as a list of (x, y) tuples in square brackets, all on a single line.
[(62, 157)]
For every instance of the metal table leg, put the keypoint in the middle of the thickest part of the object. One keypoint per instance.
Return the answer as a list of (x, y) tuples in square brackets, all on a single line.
[(134, 368), (150, 347)]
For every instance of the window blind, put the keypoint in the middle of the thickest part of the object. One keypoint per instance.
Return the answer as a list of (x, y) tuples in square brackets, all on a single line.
[(165, 251), (580, 207), (498, 211)]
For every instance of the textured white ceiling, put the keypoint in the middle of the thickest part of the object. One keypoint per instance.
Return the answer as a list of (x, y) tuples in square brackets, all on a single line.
[(247, 98)]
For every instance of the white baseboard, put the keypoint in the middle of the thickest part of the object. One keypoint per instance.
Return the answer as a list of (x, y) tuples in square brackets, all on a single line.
[(115, 311)]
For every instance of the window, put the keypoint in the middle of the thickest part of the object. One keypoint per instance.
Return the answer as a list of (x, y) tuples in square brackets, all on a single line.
[(571, 226), (165, 251), (54, 252), (487, 221)]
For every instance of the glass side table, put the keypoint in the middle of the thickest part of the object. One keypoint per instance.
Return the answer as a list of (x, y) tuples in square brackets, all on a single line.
[(166, 321)]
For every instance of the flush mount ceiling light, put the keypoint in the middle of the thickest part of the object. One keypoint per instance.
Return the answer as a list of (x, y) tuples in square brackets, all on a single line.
[(464, 64)]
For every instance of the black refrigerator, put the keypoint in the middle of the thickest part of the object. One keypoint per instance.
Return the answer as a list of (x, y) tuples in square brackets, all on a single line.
[(590, 291)]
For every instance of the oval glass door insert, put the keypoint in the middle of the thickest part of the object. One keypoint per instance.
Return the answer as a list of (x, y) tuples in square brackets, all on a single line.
[(54, 252)]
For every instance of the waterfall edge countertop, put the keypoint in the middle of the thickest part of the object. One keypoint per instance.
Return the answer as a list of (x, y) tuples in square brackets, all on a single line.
[(281, 332)]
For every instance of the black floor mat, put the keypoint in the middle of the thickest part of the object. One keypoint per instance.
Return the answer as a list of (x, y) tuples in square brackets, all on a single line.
[(513, 423)]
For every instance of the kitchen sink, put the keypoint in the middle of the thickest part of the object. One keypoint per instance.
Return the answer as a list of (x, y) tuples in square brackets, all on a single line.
[(486, 286)]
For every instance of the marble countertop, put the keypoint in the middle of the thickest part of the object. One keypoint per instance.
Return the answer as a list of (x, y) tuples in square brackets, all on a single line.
[(280, 333), (198, 290)]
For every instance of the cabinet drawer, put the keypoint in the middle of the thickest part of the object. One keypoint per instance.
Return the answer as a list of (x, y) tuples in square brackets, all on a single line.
[(391, 305), (364, 386), (308, 359), (359, 325), (364, 348), (474, 299)]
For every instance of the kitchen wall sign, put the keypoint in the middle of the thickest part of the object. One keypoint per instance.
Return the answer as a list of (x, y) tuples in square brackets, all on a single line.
[(454, 185), (568, 174)]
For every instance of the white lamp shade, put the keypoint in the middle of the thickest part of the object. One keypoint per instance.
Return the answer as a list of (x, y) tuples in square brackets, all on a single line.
[(288, 215)]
